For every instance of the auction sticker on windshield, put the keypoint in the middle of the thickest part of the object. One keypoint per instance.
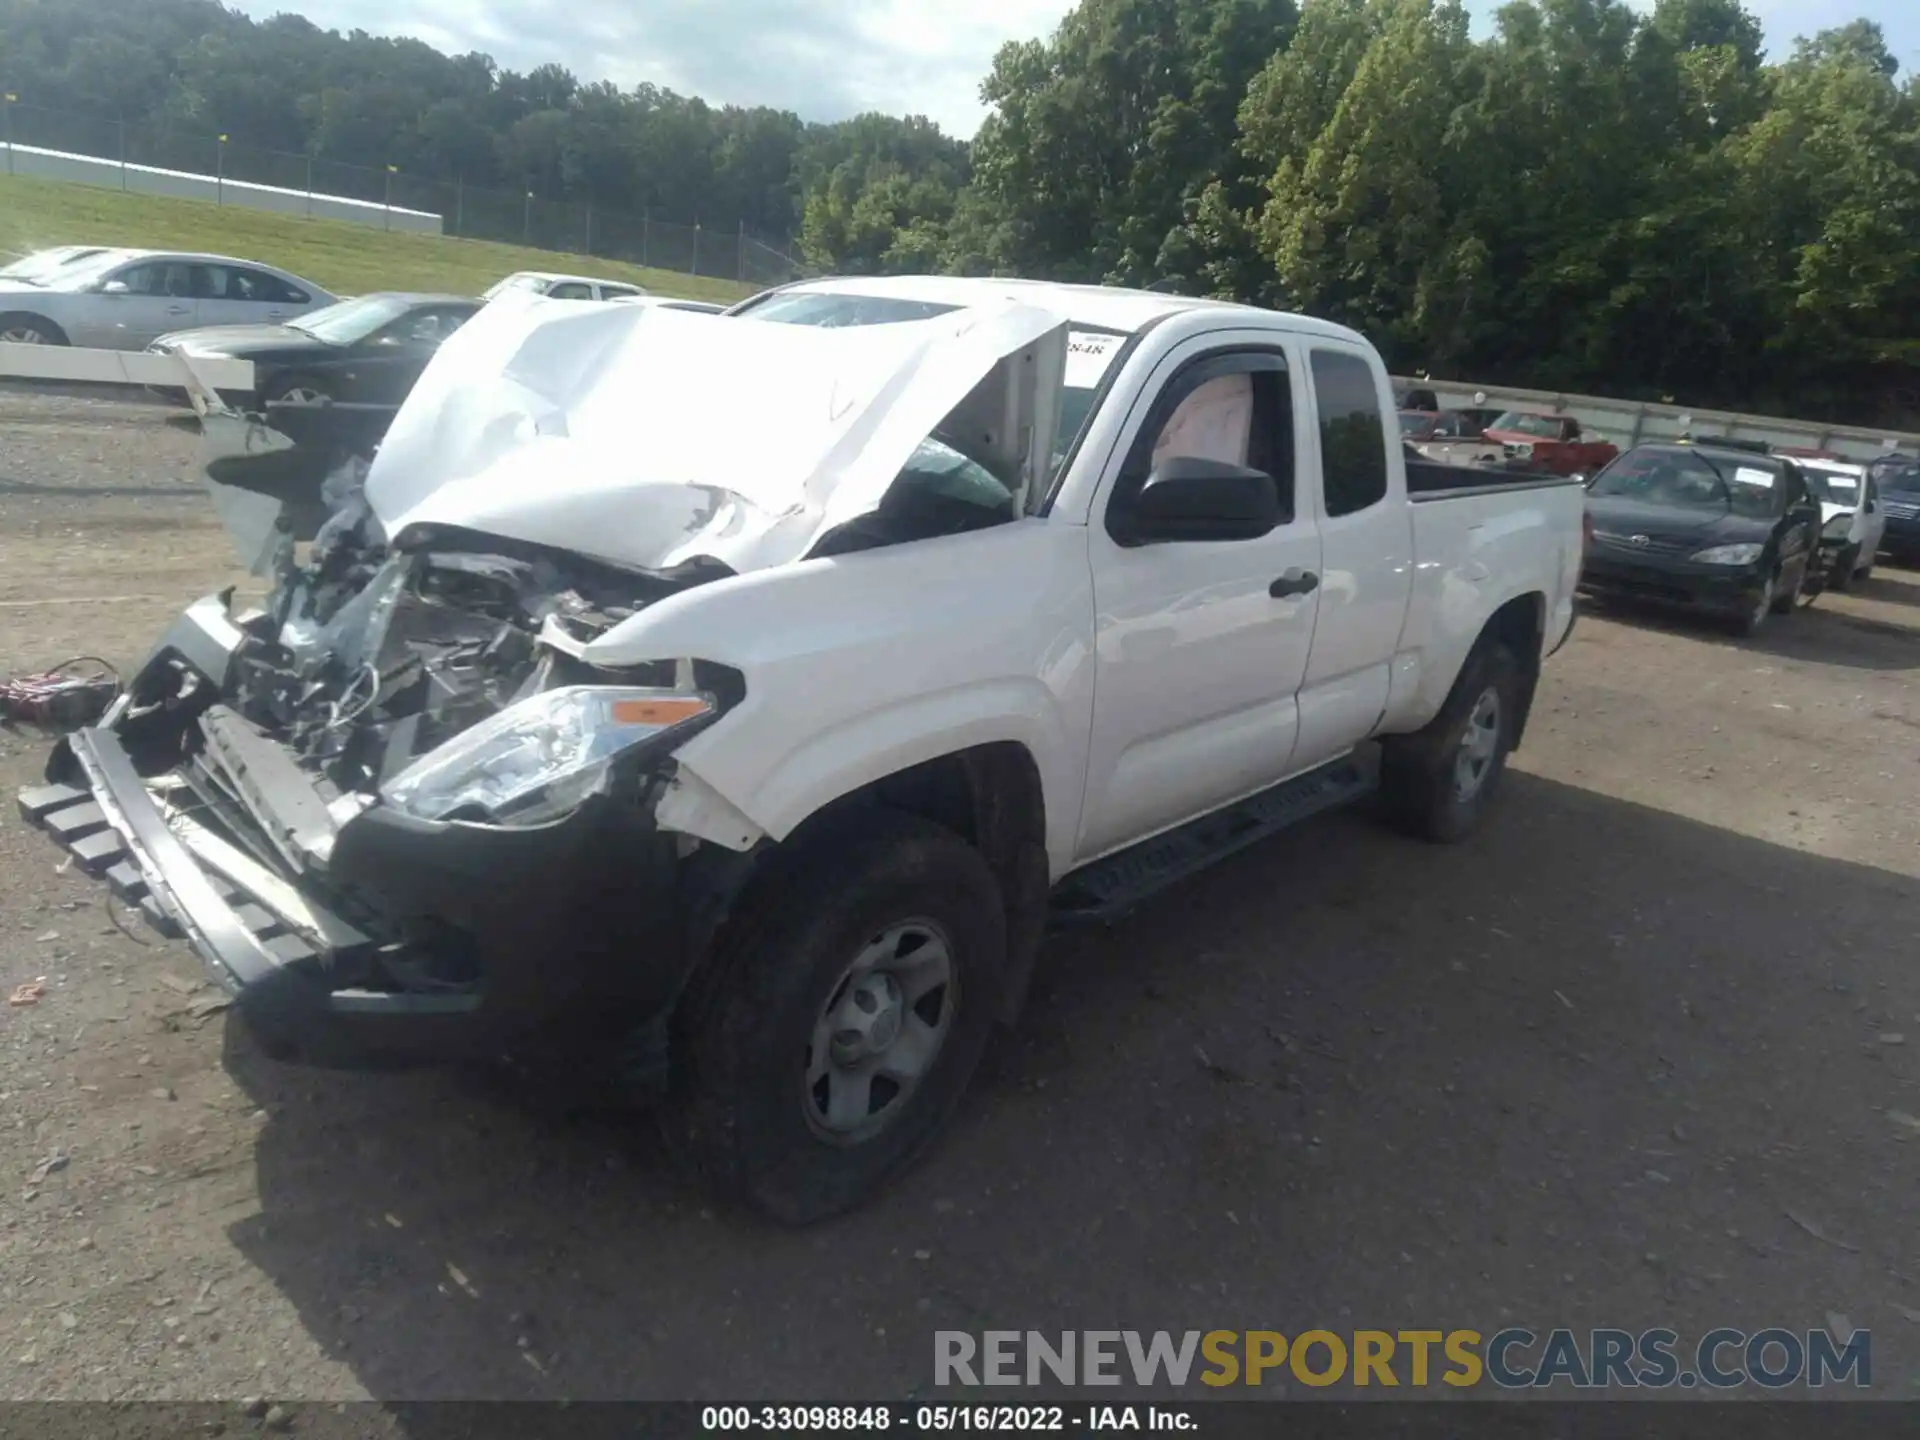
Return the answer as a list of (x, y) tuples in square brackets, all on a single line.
[(1747, 475), (1089, 355)]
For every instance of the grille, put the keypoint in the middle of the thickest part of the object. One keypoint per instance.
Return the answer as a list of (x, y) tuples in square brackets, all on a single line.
[(1622, 542)]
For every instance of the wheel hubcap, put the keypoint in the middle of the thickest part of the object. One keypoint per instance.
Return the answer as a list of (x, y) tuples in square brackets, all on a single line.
[(15, 335), (301, 395), (1478, 747), (880, 1031)]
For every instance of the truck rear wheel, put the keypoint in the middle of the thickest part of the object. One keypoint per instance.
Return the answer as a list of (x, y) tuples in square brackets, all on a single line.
[(840, 1016), (1437, 784)]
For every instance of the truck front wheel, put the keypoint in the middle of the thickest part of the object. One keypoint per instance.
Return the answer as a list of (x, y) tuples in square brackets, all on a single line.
[(840, 1016), (1437, 784)]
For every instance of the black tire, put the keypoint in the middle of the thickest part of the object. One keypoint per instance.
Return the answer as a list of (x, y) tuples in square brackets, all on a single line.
[(49, 333), (1749, 623), (1419, 785), (1785, 603), (744, 1113), (1841, 576)]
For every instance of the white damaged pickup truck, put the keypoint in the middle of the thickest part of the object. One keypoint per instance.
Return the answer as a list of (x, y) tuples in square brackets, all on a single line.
[(739, 697)]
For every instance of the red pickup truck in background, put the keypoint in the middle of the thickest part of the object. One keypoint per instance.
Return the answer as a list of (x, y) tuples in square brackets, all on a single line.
[(1550, 443)]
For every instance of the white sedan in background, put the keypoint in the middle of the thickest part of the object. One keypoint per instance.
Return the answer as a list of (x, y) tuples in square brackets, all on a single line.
[(564, 287), (1852, 523), (125, 299)]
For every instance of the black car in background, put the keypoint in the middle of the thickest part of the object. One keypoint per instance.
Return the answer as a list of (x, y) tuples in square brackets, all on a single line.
[(1716, 529), (366, 351), (1898, 480)]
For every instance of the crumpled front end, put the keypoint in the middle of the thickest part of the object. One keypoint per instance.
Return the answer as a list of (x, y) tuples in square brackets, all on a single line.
[(391, 809)]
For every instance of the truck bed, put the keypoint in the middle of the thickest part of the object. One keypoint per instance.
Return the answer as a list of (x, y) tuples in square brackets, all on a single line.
[(1436, 480), (1481, 535)]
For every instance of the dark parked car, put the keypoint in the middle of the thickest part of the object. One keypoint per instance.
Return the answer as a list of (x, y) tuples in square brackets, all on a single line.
[(1898, 479), (1721, 530), (367, 351)]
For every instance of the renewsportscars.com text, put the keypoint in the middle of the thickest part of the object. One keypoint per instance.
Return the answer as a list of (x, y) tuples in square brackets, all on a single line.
[(1511, 1359)]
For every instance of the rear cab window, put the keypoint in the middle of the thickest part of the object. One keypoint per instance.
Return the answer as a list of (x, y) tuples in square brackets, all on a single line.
[(1353, 432)]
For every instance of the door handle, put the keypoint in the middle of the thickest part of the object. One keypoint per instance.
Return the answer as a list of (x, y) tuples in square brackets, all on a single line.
[(176, 310), (1294, 582)]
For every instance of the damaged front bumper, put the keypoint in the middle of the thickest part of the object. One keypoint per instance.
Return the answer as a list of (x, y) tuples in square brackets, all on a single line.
[(358, 936)]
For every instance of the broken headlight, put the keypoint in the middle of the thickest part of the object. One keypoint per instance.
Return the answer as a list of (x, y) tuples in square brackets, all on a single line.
[(541, 758)]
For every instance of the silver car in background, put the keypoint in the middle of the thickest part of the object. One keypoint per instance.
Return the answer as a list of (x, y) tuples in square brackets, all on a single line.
[(125, 299)]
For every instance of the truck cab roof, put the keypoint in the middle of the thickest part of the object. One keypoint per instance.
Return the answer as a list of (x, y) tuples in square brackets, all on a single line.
[(1103, 307)]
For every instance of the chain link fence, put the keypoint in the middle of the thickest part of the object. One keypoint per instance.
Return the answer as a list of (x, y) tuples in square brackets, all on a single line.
[(469, 211)]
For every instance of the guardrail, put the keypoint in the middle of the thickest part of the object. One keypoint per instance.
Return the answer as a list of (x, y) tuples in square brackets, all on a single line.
[(1629, 422), (71, 365), (1624, 422)]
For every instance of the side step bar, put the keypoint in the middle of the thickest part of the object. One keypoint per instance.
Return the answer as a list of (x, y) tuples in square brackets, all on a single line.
[(1108, 888)]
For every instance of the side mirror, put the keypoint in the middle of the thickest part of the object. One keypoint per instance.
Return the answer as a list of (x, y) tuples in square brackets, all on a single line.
[(1190, 498), (114, 287)]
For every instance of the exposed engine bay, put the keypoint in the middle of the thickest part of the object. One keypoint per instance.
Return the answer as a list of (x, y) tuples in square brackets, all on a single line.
[(367, 657)]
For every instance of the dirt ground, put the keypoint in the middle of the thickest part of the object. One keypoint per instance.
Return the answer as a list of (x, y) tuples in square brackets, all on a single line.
[(1642, 1053)]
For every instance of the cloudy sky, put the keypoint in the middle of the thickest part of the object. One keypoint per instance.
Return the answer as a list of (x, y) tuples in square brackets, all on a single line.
[(827, 59)]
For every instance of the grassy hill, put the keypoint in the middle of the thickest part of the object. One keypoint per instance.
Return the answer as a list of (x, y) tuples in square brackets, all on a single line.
[(347, 259)]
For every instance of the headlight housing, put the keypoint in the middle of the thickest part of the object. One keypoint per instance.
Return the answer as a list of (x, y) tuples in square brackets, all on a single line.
[(543, 757), (1743, 554), (1838, 527)]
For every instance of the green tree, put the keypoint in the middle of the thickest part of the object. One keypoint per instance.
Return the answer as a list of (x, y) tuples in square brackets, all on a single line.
[(1104, 138)]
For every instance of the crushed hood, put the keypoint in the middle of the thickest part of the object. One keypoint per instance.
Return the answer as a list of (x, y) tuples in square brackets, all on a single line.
[(648, 437)]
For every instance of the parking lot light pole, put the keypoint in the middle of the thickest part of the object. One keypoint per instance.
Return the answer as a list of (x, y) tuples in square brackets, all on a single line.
[(392, 170), (220, 172), (526, 222), (6, 128)]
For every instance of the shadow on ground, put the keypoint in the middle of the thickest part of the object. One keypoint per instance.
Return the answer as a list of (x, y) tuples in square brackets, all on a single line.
[(1825, 632), (1891, 584), (1600, 1066)]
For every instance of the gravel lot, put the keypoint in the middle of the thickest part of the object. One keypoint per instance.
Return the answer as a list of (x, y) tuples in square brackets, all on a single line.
[(1638, 1055)]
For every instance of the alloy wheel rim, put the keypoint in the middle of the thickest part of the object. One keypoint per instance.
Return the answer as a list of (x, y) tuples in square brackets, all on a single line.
[(880, 1032), (22, 335), (1479, 746)]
